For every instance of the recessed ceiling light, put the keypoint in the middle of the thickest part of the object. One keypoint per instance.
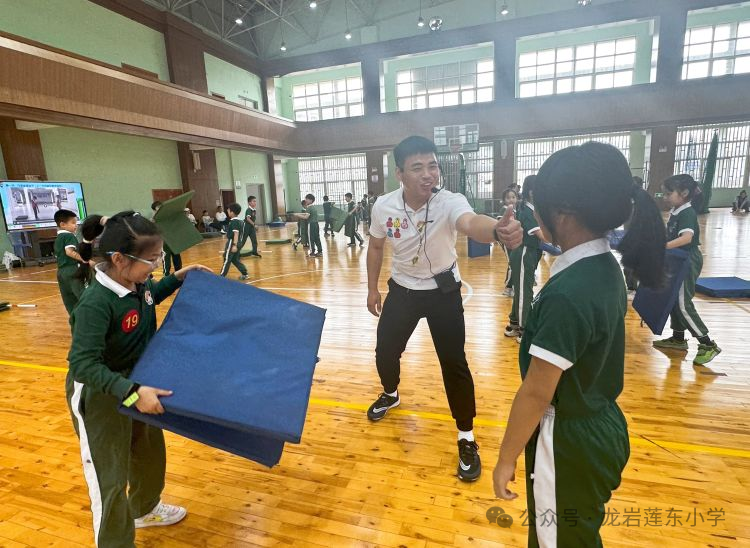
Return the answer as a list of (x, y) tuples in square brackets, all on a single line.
[(313, 5)]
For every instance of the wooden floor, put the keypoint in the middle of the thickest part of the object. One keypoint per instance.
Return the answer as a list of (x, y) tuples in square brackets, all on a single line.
[(353, 483)]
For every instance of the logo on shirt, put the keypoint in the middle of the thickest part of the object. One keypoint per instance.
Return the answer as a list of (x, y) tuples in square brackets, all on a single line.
[(395, 226), (148, 297), (130, 321)]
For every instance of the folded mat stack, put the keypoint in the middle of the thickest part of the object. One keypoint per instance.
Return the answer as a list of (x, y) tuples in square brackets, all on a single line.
[(240, 361)]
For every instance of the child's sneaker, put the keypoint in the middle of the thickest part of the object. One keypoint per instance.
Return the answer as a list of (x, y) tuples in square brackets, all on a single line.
[(519, 336), (706, 353), (381, 406), (244, 277), (162, 514), (512, 330), (508, 292), (671, 342)]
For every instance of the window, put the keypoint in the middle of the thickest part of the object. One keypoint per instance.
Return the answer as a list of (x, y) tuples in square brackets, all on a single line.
[(333, 176), (459, 83), (599, 65), (479, 170), (531, 154), (328, 99), (716, 50), (693, 143)]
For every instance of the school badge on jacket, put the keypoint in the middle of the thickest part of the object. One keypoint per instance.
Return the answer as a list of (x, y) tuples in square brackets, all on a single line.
[(148, 297)]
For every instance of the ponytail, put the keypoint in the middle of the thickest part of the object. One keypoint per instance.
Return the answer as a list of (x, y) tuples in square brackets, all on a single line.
[(91, 228), (643, 246)]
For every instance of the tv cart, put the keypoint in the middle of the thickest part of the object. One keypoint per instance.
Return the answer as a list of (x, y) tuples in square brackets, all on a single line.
[(35, 246)]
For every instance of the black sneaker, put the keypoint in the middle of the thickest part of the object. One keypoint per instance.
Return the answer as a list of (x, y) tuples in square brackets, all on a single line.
[(469, 465), (381, 406)]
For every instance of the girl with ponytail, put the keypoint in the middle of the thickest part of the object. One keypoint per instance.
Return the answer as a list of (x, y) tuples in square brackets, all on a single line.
[(112, 325), (565, 415), (683, 232)]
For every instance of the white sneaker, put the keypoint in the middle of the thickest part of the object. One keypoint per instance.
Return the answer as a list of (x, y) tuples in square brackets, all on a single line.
[(162, 514)]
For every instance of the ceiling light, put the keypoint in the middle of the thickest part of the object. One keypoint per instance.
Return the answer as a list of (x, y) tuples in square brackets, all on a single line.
[(584, 3), (313, 5), (436, 23), (283, 46), (420, 22), (238, 21), (348, 34), (504, 10)]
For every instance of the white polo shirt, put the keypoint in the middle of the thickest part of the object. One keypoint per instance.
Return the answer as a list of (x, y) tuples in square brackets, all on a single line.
[(400, 225)]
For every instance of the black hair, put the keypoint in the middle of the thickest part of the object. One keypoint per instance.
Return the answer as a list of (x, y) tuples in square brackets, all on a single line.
[(250, 199), (682, 182), (593, 183), (411, 146), (91, 229), (528, 188), (508, 191), (156, 205), (128, 232), (63, 216), (349, 195), (234, 208), (310, 197), (325, 198)]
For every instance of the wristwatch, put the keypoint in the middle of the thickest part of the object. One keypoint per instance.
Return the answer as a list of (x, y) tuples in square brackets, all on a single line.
[(132, 396)]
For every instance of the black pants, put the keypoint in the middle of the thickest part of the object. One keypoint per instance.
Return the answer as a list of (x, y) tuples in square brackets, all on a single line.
[(402, 310), (328, 226)]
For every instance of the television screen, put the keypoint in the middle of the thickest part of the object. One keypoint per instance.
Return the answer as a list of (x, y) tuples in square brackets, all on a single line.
[(30, 205)]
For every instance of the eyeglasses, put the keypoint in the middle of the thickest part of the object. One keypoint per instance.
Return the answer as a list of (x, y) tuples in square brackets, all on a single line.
[(153, 264)]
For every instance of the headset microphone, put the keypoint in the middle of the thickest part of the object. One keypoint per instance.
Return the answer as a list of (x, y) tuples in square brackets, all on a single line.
[(438, 188)]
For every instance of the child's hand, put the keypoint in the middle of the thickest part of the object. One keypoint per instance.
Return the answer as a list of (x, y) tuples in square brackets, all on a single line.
[(92, 263), (503, 474), (180, 274), (148, 400)]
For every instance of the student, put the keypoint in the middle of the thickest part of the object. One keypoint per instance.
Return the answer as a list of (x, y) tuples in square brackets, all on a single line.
[(302, 232), (523, 261), (190, 216), (89, 232), (510, 198), (313, 227), (169, 257), (68, 259), (112, 325), (365, 209), (251, 214), (683, 232), (741, 203), (572, 355), (234, 237), (327, 207), (350, 228)]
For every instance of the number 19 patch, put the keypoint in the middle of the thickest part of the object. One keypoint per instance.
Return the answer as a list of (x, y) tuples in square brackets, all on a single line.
[(130, 321)]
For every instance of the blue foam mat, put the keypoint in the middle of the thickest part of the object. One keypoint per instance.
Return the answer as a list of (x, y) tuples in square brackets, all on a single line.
[(240, 361), (655, 305), (477, 249), (723, 287)]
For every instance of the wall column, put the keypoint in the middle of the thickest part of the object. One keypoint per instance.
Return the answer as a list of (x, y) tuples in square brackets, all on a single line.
[(22, 151), (661, 161)]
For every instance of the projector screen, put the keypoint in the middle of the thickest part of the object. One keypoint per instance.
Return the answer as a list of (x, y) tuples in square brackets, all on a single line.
[(31, 205)]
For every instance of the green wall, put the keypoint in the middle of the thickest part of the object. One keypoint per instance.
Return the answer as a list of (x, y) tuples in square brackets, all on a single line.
[(4, 241), (284, 97), (642, 30), (232, 81), (700, 18), (249, 168), (118, 172), (84, 28), (292, 193), (389, 67)]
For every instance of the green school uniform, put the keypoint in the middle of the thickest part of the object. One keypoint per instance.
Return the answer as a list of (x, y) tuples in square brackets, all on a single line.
[(302, 225), (314, 229), (111, 328), (523, 262), (576, 457), (70, 287), (350, 226), (684, 315), (233, 257), (250, 232)]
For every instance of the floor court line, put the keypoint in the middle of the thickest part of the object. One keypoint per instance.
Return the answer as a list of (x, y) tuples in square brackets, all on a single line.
[(638, 441)]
